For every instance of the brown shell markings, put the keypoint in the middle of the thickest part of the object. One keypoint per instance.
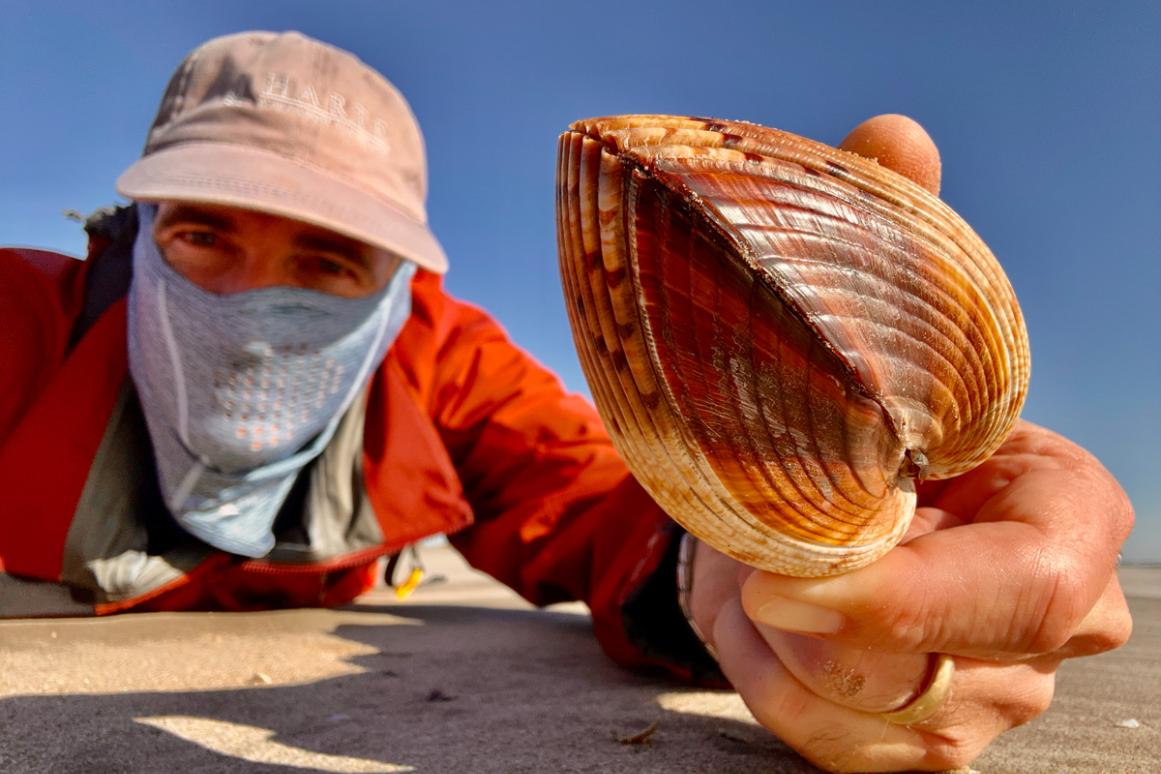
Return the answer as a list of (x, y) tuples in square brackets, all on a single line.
[(779, 335)]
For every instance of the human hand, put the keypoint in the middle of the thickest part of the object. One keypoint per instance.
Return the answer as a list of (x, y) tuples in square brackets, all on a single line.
[(1008, 569)]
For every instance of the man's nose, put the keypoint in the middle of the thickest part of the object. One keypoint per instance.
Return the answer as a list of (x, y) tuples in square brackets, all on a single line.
[(251, 271)]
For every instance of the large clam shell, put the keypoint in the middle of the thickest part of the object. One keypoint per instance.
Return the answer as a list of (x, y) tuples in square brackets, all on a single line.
[(779, 335)]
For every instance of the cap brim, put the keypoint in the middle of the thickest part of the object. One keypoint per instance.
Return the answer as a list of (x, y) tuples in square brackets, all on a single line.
[(261, 180)]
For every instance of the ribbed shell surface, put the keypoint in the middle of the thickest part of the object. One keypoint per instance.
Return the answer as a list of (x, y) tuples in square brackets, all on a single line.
[(780, 335)]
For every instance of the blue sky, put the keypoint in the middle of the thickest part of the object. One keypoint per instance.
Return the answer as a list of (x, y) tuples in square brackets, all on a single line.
[(1047, 115)]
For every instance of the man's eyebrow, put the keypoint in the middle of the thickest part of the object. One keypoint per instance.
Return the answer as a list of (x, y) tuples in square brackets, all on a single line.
[(347, 248), (185, 213)]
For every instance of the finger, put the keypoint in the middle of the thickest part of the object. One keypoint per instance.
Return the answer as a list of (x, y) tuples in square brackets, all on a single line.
[(1107, 626), (1018, 580), (715, 580), (1028, 447), (832, 737), (928, 520), (986, 699), (900, 144), (985, 694), (858, 678), (987, 590)]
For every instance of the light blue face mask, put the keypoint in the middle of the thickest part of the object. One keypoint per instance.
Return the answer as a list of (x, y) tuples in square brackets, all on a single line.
[(240, 392)]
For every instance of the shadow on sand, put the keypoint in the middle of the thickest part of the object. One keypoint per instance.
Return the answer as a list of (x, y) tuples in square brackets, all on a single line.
[(469, 690)]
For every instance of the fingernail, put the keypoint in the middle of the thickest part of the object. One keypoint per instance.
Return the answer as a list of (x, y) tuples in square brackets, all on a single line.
[(792, 615)]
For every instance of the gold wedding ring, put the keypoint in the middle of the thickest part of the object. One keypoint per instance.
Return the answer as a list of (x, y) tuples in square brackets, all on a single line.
[(930, 699)]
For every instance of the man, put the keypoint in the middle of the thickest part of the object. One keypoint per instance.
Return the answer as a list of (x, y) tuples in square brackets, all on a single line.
[(256, 387)]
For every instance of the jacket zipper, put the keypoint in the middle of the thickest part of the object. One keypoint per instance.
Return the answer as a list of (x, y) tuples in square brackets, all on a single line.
[(327, 567)]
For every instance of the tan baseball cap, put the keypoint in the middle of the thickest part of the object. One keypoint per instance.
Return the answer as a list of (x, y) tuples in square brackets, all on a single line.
[(284, 124)]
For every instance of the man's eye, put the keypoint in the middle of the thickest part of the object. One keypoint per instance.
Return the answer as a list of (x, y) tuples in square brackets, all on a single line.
[(199, 238), (327, 266)]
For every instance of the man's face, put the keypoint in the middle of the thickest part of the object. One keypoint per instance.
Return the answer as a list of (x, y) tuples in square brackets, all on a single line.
[(227, 250)]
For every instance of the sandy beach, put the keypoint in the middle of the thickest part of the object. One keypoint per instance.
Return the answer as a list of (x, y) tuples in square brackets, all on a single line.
[(461, 677)]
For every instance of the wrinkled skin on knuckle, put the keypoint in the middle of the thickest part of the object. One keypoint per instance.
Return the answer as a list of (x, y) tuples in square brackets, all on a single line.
[(958, 735), (1103, 503), (912, 625), (988, 700), (952, 752), (1116, 626), (1114, 636), (1031, 703), (836, 751), (1019, 696), (786, 704), (1104, 490), (1122, 515), (1062, 603), (956, 746), (1071, 566)]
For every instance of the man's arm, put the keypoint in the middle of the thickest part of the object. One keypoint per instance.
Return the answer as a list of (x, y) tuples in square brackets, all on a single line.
[(558, 517), (40, 293)]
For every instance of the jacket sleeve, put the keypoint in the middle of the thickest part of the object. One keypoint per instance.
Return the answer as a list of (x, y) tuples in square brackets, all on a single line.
[(557, 515), (39, 296)]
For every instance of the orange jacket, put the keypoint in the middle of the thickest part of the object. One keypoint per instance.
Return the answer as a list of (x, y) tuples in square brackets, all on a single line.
[(465, 434)]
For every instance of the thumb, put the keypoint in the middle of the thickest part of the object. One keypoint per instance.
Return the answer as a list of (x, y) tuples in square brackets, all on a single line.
[(900, 144)]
